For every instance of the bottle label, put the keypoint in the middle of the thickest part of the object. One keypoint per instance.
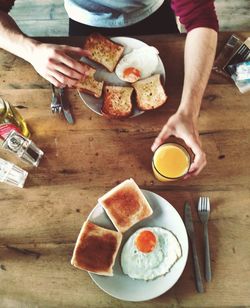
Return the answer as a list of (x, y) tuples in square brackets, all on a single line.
[(5, 130)]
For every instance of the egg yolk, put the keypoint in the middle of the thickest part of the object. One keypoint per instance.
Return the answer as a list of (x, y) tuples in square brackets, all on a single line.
[(145, 241), (131, 71)]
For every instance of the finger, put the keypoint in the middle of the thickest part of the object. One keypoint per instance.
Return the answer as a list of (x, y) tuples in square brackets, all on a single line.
[(187, 176), (193, 143), (64, 80), (195, 171), (73, 64), (200, 157), (198, 170), (67, 71), (198, 164), (163, 135), (77, 50), (54, 81)]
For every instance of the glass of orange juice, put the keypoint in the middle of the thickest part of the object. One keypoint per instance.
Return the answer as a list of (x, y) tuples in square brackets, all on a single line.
[(171, 161)]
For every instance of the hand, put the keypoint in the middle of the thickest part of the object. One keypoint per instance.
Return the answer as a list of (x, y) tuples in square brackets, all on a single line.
[(184, 127), (54, 63)]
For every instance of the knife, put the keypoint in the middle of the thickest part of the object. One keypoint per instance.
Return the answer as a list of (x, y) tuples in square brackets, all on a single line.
[(65, 107), (190, 230)]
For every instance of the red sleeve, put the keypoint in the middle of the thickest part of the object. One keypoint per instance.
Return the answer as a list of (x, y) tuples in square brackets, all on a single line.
[(196, 13), (6, 5)]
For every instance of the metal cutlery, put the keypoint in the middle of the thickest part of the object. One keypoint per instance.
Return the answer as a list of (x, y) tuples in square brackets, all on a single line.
[(190, 230), (203, 211), (55, 105), (65, 106), (59, 103)]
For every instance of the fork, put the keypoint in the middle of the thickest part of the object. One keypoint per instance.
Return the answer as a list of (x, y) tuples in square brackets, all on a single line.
[(203, 211), (56, 106)]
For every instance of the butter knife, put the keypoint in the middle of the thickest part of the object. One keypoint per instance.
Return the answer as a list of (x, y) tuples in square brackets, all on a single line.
[(65, 106), (190, 230)]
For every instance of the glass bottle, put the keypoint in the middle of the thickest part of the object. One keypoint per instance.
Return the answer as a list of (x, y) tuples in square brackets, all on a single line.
[(11, 119), (23, 147), (12, 174)]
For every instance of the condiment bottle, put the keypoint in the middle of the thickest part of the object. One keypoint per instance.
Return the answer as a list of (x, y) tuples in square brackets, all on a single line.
[(12, 174), (23, 148), (11, 119)]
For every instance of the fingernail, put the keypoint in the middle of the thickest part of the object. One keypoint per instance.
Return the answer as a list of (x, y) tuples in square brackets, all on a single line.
[(191, 169), (87, 52)]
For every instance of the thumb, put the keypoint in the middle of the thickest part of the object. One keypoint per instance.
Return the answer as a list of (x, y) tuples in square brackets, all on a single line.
[(160, 139)]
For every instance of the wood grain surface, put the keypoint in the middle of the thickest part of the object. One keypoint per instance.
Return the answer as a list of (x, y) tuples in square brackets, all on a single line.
[(40, 223)]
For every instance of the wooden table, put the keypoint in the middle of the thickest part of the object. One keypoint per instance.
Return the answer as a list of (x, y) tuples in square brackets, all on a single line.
[(40, 223)]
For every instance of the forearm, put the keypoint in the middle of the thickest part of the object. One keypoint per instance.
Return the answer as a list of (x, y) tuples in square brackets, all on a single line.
[(199, 55), (13, 40), (52, 61)]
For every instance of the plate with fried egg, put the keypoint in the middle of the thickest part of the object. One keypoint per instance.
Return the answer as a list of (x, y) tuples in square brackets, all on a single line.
[(135, 61), (153, 251)]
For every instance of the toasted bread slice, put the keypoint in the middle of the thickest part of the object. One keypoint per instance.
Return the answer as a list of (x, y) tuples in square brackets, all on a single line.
[(88, 84), (150, 93), (117, 101), (103, 50), (96, 249), (125, 205)]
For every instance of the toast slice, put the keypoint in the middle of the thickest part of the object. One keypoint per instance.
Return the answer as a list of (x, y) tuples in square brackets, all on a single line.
[(96, 249), (117, 101), (88, 84), (150, 93), (125, 205), (103, 51)]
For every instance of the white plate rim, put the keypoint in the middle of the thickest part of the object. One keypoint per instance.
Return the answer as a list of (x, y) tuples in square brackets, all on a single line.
[(185, 248)]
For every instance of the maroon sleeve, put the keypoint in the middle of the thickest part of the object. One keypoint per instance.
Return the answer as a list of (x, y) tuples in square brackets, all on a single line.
[(196, 13), (6, 5)]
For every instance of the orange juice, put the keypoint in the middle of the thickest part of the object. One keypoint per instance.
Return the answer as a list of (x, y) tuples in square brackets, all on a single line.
[(170, 162)]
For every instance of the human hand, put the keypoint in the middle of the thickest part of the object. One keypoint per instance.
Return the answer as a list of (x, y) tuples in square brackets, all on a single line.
[(54, 63), (184, 127)]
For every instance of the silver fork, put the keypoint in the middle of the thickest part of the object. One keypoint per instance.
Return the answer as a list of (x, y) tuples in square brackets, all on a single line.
[(56, 106), (204, 210)]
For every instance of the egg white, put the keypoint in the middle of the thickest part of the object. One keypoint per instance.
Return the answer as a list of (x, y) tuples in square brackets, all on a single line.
[(147, 266), (144, 59)]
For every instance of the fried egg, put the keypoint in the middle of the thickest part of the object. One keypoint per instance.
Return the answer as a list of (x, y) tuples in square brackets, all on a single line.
[(150, 253), (138, 64)]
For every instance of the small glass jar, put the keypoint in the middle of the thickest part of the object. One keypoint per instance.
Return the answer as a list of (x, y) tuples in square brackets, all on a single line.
[(23, 148), (12, 174)]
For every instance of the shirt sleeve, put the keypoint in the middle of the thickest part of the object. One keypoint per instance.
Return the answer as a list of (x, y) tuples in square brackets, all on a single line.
[(196, 13), (6, 5)]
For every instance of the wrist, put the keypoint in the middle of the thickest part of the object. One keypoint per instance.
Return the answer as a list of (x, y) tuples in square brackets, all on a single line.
[(188, 113), (30, 45), (190, 102)]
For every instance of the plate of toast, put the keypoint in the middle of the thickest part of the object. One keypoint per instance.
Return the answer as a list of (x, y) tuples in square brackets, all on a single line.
[(124, 77), (133, 244)]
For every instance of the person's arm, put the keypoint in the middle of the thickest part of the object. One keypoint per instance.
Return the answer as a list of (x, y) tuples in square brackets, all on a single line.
[(199, 55), (183, 124), (53, 62)]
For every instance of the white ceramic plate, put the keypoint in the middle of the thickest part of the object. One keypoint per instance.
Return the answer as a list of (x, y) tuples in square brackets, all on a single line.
[(122, 286), (101, 74)]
